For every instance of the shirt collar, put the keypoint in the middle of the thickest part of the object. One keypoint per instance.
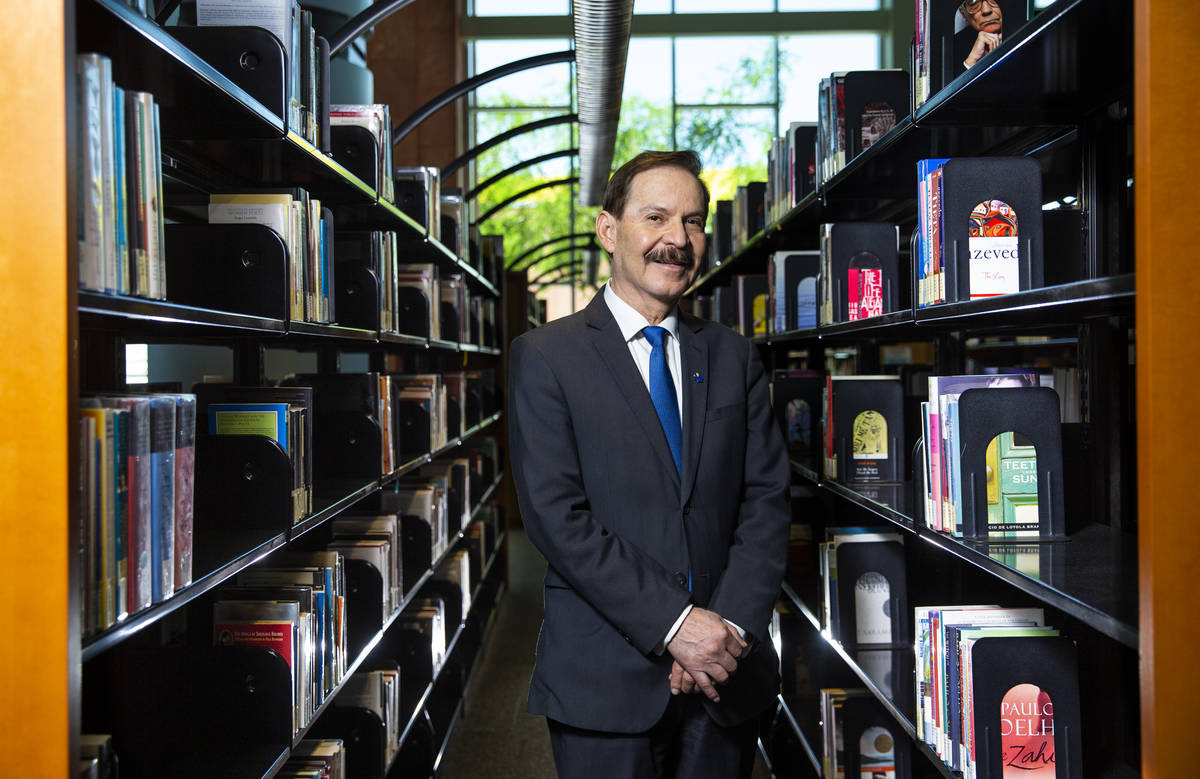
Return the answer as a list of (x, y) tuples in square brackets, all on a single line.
[(631, 322)]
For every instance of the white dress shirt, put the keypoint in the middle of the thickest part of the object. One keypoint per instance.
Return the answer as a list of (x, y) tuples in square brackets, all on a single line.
[(631, 324)]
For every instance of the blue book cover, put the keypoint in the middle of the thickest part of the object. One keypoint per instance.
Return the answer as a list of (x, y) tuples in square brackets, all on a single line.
[(121, 200), (806, 303), (120, 487), (925, 238), (269, 419), (162, 496)]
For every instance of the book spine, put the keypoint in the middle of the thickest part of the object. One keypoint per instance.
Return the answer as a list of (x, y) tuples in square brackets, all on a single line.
[(91, 184), (159, 268), (141, 593), (121, 448), (185, 468), (162, 512), (120, 188), (109, 175)]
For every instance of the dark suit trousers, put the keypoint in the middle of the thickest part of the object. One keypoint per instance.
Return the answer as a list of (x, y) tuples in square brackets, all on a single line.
[(685, 744)]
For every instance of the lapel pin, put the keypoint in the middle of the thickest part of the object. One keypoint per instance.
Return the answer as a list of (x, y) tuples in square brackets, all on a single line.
[(699, 377)]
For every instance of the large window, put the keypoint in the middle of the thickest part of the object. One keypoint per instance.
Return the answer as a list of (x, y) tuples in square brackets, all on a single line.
[(691, 86)]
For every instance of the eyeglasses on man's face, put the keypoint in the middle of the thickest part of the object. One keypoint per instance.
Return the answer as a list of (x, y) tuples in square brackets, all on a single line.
[(973, 5)]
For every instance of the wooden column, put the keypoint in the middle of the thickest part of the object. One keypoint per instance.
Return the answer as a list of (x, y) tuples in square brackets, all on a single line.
[(39, 655), (1166, 91), (415, 55)]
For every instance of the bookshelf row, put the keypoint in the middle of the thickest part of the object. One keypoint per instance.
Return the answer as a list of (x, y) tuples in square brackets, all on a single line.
[(327, 504), (246, 680), (1023, 98), (868, 681)]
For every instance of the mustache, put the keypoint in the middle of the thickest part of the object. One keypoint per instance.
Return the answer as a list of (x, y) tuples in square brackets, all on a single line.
[(671, 255)]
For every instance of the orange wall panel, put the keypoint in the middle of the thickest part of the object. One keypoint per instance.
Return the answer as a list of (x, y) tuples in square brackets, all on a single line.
[(34, 382), (1166, 92)]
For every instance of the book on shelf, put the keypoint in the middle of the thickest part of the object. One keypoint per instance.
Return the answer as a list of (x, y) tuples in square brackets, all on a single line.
[(751, 291), (942, 439), (320, 649), (280, 626), (283, 414), (1024, 676), (420, 315), (980, 231), (859, 270), (453, 230), (376, 527), (378, 692), (375, 118), (859, 738), (790, 169), (306, 230), (864, 429), (863, 579), (856, 109), (419, 194), (135, 514), (792, 288), (952, 36), (307, 69), (721, 245), (748, 213), (329, 574), (316, 758), (120, 219), (796, 397)]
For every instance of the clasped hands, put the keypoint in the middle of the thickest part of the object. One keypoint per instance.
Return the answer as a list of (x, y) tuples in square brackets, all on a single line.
[(706, 649)]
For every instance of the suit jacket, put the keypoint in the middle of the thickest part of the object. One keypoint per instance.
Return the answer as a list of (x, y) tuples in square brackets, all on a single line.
[(601, 499)]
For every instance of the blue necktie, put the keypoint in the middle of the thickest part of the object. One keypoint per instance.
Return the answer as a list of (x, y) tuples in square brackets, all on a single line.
[(662, 393)]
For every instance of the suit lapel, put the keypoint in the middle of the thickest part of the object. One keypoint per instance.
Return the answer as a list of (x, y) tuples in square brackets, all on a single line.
[(693, 349), (614, 351)]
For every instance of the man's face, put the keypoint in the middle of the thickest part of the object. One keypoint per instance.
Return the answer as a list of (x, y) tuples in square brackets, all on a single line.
[(983, 15), (657, 242)]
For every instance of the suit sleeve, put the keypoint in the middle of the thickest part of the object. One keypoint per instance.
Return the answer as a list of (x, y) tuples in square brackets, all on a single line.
[(629, 588), (749, 586)]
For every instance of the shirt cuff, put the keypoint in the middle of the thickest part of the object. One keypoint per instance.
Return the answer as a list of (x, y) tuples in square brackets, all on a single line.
[(662, 646), (736, 627)]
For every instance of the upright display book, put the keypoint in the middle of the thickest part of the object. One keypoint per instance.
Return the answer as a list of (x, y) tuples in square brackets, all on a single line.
[(864, 429), (998, 500), (980, 227), (874, 102), (796, 396), (859, 270), (752, 304), (953, 37), (792, 287)]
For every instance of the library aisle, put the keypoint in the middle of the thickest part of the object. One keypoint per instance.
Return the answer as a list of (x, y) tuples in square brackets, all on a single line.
[(496, 737)]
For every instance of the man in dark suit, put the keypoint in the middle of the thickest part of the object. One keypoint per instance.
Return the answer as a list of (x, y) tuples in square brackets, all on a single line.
[(652, 477)]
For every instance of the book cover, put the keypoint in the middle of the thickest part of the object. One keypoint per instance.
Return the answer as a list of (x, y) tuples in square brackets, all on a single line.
[(92, 228), (796, 395), (185, 472), (162, 496)]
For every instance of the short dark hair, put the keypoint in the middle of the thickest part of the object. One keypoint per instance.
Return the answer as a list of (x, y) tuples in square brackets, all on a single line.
[(616, 194)]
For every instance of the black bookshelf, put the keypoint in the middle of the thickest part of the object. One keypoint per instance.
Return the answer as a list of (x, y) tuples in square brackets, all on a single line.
[(1059, 90), (218, 135)]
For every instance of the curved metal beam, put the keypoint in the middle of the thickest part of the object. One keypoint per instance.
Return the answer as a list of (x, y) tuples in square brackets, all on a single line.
[(463, 87), (474, 193), (525, 192), (513, 265), (369, 17), (560, 265), (475, 151)]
